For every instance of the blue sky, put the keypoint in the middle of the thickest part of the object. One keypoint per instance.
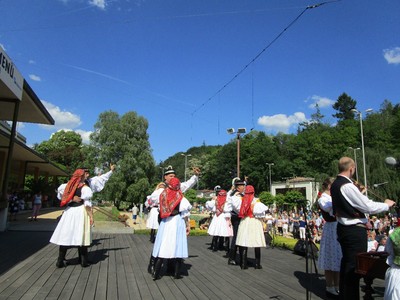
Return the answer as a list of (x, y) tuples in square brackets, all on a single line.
[(170, 61)]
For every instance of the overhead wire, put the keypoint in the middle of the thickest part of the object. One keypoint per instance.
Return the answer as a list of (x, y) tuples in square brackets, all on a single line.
[(259, 54)]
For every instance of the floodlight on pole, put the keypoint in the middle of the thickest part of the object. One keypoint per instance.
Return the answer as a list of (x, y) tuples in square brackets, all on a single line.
[(238, 133), (362, 144)]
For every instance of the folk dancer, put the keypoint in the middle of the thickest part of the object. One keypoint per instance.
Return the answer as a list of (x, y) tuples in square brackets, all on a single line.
[(220, 227), (74, 227), (330, 253), (152, 221), (350, 207), (169, 173), (231, 210), (251, 232), (171, 240)]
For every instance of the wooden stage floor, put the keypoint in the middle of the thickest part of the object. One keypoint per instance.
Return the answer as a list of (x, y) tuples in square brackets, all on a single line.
[(119, 271)]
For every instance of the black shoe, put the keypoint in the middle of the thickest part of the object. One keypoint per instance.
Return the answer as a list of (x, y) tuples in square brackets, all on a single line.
[(232, 262), (150, 268), (61, 263), (331, 296)]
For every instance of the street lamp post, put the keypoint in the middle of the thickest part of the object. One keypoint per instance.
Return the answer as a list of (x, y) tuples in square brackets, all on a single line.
[(186, 156), (238, 133), (362, 146), (270, 180), (162, 173), (355, 159)]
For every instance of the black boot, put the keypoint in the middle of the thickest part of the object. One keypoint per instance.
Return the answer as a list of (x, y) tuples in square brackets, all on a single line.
[(226, 244), (83, 254), (157, 268), (232, 256), (214, 244), (257, 252), (243, 257), (62, 252), (152, 235), (170, 266), (177, 272), (151, 265)]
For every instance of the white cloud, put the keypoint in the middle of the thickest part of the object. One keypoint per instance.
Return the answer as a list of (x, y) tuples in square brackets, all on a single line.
[(62, 118), (392, 56), (281, 122), (34, 77), (32, 62), (85, 135), (98, 3), (321, 101)]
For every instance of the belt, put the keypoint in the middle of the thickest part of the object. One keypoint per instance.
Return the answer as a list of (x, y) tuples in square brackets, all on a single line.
[(361, 225)]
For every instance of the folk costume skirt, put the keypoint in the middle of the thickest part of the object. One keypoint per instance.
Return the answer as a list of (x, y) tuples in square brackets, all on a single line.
[(152, 220), (330, 253), (73, 229), (250, 233), (219, 226), (171, 239)]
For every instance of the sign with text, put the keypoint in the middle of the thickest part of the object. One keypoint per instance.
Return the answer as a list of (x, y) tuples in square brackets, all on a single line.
[(10, 76)]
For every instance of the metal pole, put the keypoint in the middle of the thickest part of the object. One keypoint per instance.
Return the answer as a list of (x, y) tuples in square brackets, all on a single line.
[(238, 155), (363, 153), (185, 165), (270, 181), (355, 160)]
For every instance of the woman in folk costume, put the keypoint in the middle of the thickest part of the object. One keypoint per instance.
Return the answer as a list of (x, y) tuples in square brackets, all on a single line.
[(152, 220), (220, 227), (250, 232), (74, 227), (171, 239), (330, 253), (392, 276), (169, 173)]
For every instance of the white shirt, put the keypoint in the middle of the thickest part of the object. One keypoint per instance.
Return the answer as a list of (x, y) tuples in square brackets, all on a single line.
[(360, 202)]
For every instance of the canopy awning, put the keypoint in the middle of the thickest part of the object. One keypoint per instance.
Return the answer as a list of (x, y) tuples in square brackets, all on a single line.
[(31, 109), (31, 159)]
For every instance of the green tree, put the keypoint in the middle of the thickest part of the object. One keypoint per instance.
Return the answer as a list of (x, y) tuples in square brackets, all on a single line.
[(343, 105), (124, 140), (64, 147)]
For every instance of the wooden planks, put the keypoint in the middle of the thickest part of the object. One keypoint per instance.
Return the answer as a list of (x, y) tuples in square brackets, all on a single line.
[(119, 271)]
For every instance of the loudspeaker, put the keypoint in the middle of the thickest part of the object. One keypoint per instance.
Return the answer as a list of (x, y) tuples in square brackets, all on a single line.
[(300, 248)]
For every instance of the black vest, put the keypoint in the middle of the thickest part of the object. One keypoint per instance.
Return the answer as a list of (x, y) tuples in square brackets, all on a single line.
[(342, 208)]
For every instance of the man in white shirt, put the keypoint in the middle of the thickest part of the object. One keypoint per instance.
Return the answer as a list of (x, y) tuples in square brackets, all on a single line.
[(350, 207)]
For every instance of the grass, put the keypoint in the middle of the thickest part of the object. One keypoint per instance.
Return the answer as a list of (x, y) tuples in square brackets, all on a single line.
[(98, 216)]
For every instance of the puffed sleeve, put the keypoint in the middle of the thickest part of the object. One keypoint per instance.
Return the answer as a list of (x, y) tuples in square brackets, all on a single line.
[(60, 190), (97, 183), (210, 205), (185, 207), (259, 210), (86, 195)]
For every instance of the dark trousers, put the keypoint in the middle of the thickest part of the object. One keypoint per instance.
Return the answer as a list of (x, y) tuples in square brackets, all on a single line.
[(235, 226), (353, 240)]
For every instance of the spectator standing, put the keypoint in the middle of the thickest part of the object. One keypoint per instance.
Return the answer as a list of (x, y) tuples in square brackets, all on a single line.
[(36, 205), (135, 211)]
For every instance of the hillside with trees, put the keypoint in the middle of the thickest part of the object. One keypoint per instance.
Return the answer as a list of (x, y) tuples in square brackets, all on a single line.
[(313, 151)]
